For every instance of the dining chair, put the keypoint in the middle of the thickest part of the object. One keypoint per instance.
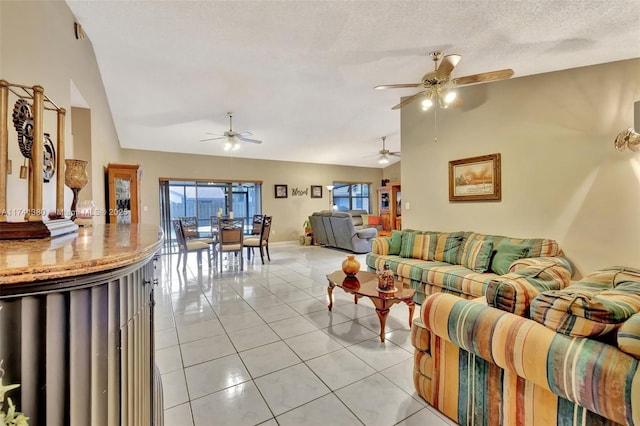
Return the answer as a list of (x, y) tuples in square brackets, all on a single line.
[(261, 241), (190, 230), (185, 246), (230, 239), (257, 224)]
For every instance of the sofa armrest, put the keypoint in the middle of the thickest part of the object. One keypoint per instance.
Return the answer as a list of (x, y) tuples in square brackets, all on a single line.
[(381, 245), (367, 233), (513, 292), (575, 368)]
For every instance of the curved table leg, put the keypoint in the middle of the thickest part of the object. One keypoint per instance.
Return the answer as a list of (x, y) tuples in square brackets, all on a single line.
[(330, 293), (412, 306), (382, 316)]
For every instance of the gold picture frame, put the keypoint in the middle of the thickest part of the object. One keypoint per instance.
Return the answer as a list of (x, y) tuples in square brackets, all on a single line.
[(475, 179)]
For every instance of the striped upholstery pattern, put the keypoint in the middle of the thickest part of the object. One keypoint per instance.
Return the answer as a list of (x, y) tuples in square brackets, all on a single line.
[(628, 336), (457, 279), (514, 291), (415, 245), (489, 367), (587, 308), (476, 255), (380, 245), (538, 247), (431, 276), (448, 247)]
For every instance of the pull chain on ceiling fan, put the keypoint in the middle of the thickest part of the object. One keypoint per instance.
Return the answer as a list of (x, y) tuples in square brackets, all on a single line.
[(438, 85), (233, 138)]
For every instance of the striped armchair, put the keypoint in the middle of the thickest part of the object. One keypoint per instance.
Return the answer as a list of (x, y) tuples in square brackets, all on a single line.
[(480, 365)]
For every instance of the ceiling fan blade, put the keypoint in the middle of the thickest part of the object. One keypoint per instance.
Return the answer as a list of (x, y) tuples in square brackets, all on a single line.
[(244, 134), (249, 140), (213, 139), (483, 77), (394, 154), (396, 86), (214, 134), (408, 100), (447, 65)]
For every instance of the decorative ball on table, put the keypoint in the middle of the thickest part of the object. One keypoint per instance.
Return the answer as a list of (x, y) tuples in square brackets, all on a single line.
[(351, 265)]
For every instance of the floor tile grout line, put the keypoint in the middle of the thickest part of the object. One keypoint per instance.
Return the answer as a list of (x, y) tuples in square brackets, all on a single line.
[(286, 274)]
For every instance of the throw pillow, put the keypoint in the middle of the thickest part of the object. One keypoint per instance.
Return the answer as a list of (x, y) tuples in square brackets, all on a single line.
[(374, 220), (505, 254), (396, 242), (365, 219), (415, 245), (476, 255), (447, 246)]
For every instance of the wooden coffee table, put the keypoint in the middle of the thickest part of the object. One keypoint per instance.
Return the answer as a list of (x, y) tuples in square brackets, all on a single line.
[(366, 284)]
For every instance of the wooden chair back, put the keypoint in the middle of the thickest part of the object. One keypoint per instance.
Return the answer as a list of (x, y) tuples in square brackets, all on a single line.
[(230, 231), (189, 226)]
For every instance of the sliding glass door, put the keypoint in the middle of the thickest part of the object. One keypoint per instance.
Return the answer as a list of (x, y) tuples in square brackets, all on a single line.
[(203, 199)]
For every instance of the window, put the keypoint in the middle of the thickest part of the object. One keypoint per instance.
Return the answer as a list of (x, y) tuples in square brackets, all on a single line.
[(351, 196)]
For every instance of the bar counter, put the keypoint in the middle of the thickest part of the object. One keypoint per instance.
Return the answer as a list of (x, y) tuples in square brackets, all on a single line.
[(76, 326), (90, 249)]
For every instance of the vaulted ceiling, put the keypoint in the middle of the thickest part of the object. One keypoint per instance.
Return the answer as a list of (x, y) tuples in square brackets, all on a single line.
[(299, 75)]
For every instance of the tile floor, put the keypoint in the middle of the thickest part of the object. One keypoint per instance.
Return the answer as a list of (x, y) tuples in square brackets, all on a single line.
[(259, 347)]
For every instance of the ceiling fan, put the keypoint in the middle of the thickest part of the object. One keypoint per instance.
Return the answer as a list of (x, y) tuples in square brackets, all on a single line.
[(438, 83), (232, 137), (384, 153)]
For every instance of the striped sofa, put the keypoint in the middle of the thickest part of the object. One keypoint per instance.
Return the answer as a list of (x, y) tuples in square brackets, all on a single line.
[(572, 359), (469, 265)]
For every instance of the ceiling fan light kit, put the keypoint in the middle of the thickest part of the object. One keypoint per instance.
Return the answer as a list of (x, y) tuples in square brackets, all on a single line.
[(233, 138), (437, 84), (384, 153)]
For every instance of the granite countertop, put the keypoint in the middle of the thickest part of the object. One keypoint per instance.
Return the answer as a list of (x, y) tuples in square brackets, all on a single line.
[(92, 249)]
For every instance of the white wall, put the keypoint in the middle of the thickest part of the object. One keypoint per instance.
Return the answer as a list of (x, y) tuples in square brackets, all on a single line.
[(38, 47), (561, 175), (288, 214)]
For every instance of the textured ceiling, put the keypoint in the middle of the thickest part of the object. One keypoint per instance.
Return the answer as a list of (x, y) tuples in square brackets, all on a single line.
[(299, 75)]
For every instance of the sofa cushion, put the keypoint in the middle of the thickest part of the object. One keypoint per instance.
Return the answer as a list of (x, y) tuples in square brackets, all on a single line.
[(538, 247), (587, 308), (527, 278), (457, 279), (414, 245), (628, 337), (505, 253), (476, 255), (396, 242), (447, 247)]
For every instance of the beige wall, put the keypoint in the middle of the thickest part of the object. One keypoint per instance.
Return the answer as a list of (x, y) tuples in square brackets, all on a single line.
[(289, 213), (392, 172), (38, 47), (561, 175)]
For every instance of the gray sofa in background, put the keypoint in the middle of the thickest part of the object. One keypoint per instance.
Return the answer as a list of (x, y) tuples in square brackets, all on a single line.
[(342, 230)]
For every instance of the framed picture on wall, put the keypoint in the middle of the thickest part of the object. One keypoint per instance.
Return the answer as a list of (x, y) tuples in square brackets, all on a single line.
[(475, 179), (316, 191), (281, 191)]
